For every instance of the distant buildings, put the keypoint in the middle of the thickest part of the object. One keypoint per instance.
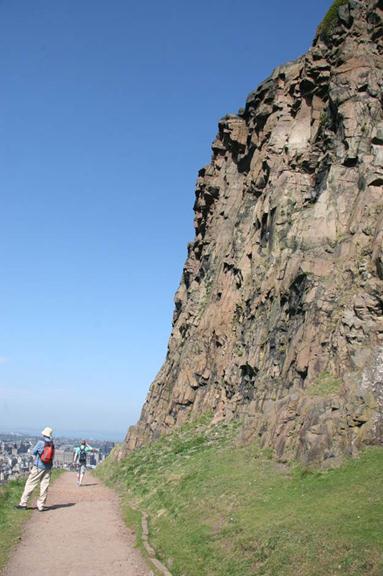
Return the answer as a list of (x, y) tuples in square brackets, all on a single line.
[(63, 456), (16, 457)]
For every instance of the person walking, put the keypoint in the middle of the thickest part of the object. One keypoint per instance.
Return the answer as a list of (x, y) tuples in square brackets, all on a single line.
[(41, 471), (80, 459)]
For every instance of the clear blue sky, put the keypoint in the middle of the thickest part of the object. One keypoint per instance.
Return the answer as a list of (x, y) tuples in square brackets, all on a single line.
[(107, 111)]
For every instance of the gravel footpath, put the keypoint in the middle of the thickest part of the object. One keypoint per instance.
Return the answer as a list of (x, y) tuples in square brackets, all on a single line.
[(81, 534)]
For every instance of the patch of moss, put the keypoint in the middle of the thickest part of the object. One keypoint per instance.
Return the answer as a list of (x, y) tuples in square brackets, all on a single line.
[(323, 119), (329, 21), (326, 384)]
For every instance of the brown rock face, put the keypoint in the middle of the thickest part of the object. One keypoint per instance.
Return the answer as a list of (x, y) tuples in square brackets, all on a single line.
[(279, 316)]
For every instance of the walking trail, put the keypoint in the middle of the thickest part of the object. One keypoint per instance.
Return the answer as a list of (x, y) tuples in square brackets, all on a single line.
[(81, 534)]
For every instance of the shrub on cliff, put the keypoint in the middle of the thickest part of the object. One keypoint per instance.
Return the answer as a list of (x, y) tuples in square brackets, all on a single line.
[(329, 21)]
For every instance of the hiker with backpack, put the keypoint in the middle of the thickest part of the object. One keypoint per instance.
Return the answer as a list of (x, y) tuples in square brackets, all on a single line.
[(80, 458), (43, 452)]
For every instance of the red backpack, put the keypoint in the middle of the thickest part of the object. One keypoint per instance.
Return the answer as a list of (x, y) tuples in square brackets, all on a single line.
[(48, 453)]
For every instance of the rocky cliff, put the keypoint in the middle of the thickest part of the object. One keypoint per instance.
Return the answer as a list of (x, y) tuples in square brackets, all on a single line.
[(279, 316)]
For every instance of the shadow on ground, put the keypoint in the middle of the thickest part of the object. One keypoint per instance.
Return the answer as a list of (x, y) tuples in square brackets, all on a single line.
[(57, 506)]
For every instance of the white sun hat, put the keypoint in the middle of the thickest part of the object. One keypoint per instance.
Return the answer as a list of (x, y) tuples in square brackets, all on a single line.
[(47, 432)]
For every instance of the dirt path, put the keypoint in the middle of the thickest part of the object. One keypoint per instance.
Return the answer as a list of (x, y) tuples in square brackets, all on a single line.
[(81, 534)]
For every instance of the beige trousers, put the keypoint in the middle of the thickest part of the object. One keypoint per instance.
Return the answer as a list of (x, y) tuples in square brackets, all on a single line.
[(36, 476)]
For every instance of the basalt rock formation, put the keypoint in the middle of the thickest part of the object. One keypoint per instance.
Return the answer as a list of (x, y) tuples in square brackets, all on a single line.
[(279, 316)]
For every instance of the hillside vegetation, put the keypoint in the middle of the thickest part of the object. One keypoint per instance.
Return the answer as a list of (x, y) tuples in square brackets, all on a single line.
[(219, 509), (11, 520)]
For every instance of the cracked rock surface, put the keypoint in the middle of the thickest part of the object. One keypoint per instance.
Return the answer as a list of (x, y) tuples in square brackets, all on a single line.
[(279, 315)]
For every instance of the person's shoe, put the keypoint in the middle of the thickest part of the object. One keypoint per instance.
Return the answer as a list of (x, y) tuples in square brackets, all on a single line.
[(20, 507), (41, 508)]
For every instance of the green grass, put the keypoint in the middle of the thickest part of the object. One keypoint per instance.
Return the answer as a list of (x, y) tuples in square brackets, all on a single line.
[(217, 509), (12, 520), (325, 385), (329, 21)]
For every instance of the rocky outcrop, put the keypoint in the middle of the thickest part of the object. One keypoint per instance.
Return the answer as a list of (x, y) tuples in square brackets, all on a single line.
[(279, 316)]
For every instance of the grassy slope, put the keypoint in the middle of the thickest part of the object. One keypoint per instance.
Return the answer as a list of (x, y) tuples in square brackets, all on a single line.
[(220, 510), (12, 520)]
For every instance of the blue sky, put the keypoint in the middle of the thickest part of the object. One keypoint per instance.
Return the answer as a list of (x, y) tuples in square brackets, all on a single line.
[(107, 112)]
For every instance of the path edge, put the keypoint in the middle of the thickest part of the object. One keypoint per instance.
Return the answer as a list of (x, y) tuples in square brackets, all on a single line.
[(150, 554), (150, 551)]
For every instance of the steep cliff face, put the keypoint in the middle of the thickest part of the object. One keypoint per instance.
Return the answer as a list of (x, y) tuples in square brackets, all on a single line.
[(279, 316)]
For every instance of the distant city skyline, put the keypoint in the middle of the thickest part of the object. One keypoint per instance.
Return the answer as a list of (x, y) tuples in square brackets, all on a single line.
[(17, 458), (67, 433), (107, 112)]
